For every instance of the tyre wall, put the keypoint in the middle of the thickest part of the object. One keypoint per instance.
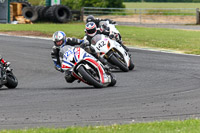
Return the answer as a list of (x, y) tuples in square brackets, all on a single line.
[(55, 13)]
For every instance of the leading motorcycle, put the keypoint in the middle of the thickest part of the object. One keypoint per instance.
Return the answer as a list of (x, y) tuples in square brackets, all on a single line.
[(7, 77), (87, 68), (106, 25)]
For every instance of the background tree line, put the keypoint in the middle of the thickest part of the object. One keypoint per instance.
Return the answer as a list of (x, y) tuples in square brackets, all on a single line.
[(162, 0), (78, 4)]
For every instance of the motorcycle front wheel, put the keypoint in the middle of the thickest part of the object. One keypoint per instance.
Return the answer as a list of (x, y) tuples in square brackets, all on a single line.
[(12, 81), (88, 77), (113, 80), (132, 66), (118, 63)]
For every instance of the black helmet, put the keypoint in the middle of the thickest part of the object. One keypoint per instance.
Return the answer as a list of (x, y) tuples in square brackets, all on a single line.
[(90, 18)]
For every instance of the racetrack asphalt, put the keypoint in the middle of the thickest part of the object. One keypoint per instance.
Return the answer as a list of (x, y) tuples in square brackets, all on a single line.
[(163, 86)]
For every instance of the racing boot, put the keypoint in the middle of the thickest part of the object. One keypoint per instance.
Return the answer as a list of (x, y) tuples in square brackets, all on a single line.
[(105, 63), (69, 77)]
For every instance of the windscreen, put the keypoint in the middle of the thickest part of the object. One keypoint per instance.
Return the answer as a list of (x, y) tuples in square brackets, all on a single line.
[(96, 38)]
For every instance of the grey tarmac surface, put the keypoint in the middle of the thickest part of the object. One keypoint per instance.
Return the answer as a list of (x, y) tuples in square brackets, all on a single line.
[(162, 87)]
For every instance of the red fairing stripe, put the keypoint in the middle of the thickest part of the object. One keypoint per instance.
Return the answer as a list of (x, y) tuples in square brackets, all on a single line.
[(2, 60), (63, 66), (99, 67), (78, 53)]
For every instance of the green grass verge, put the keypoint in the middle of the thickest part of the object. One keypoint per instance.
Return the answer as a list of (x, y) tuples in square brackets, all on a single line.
[(171, 39), (160, 5), (72, 30), (187, 126)]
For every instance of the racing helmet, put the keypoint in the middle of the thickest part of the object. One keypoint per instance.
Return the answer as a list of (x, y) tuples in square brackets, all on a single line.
[(59, 38), (91, 29), (90, 18)]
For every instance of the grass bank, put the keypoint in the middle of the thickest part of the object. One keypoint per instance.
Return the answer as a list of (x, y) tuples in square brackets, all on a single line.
[(172, 39), (72, 30), (160, 5), (187, 126)]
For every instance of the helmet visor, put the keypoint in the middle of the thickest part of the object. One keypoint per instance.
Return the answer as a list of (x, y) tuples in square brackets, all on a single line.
[(59, 43), (91, 31)]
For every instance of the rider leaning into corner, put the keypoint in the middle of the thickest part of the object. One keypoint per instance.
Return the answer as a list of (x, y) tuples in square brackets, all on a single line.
[(5, 63), (91, 18), (96, 26), (61, 45)]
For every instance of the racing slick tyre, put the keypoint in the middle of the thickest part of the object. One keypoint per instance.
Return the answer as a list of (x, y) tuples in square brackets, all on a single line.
[(12, 81), (132, 66), (118, 63), (89, 78)]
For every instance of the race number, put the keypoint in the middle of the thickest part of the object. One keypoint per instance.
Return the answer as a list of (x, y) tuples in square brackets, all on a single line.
[(101, 44), (69, 52)]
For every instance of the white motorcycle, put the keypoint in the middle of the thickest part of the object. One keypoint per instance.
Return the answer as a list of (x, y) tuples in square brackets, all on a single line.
[(87, 68), (112, 51), (112, 28)]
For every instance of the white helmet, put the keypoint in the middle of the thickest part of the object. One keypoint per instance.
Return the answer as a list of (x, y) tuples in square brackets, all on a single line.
[(91, 29), (59, 38)]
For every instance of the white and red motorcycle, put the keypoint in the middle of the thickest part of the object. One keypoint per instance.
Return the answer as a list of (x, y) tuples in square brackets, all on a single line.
[(87, 68), (112, 51)]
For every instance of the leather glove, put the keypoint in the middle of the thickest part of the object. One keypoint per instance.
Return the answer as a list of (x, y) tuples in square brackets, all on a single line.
[(58, 68), (84, 44), (6, 64), (111, 36), (113, 22)]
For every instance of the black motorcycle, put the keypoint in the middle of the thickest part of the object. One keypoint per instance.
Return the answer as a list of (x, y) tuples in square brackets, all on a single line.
[(7, 78)]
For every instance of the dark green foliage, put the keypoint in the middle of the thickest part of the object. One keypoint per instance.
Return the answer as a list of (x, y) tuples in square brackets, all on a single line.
[(115, 3), (94, 3), (162, 0), (78, 4), (72, 4)]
